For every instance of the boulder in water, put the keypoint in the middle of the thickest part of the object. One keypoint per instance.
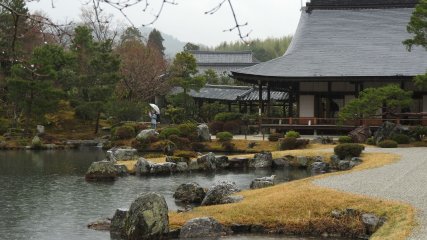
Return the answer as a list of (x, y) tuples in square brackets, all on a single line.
[(101, 171), (261, 160), (219, 193), (190, 193), (202, 228), (147, 218)]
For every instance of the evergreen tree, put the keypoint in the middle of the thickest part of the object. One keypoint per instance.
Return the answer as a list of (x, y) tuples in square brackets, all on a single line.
[(97, 71), (155, 40)]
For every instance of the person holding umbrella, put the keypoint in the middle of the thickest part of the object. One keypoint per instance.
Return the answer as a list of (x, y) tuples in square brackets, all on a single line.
[(153, 115)]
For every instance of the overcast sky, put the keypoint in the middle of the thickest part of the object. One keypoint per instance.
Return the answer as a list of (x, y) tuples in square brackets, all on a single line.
[(187, 21)]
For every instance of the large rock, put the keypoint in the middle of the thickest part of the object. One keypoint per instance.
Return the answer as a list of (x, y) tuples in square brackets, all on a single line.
[(122, 154), (219, 193), (238, 163), (335, 161), (100, 225), (202, 228), (371, 222), (101, 171), (207, 162), (387, 130), (121, 170), (163, 168), (40, 129), (147, 218), (182, 167), (344, 165), (144, 134), (118, 222), (302, 161), (319, 167), (262, 182), (221, 162), (360, 134), (280, 163), (143, 167), (261, 160), (190, 193), (203, 133)]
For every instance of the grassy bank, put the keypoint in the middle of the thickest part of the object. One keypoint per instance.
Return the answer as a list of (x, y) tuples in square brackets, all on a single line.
[(300, 207)]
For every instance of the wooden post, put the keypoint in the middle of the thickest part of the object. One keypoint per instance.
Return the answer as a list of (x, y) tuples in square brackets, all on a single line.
[(260, 105), (268, 100)]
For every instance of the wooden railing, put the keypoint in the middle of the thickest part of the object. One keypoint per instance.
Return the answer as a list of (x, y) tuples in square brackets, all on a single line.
[(334, 121)]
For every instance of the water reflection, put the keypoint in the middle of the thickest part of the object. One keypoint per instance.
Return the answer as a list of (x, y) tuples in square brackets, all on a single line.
[(44, 195)]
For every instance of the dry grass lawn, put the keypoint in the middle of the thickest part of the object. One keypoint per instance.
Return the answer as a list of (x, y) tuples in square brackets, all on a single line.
[(303, 208)]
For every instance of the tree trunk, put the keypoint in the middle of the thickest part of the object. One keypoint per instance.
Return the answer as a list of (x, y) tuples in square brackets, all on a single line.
[(97, 122)]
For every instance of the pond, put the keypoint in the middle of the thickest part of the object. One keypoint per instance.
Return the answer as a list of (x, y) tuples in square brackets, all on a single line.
[(43, 195)]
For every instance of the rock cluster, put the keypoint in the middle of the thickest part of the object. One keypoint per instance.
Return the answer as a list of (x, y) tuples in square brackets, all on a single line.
[(263, 182), (122, 154)]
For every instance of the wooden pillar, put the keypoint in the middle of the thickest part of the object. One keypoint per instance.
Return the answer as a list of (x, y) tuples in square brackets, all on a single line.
[(229, 106), (268, 100), (240, 107), (328, 106), (260, 106)]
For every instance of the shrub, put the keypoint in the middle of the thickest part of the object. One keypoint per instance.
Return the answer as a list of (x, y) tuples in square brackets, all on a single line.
[(227, 116), (216, 127), (232, 126), (185, 154), (167, 132), (418, 132), (123, 132), (4, 125), (126, 111), (345, 139), (387, 144), (198, 146), (188, 129), (168, 147), (400, 138), (370, 141), (180, 142), (288, 143), (228, 146), (140, 145), (302, 143), (293, 134), (139, 127), (348, 150), (274, 137), (224, 136)]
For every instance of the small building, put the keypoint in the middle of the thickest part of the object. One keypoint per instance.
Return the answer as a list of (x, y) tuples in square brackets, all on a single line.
[(339, 49), (223, 63)]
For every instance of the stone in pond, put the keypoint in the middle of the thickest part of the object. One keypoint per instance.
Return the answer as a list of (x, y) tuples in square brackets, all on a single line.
[(218, 193), (190, 193), (202, 228), (101, 171)]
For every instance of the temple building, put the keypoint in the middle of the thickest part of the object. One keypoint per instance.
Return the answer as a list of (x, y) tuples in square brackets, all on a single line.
[(340, 48), (223, 62)]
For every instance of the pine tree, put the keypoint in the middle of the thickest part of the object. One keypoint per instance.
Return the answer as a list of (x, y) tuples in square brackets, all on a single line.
[(155, 40)]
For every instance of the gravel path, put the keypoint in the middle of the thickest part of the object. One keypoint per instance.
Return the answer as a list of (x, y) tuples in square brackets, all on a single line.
[(405, 180)]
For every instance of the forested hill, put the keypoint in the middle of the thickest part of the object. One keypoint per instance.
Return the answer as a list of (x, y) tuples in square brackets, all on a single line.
[(263, 50)]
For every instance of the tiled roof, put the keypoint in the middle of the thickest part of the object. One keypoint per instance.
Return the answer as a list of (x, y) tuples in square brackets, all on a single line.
[(346, 43)]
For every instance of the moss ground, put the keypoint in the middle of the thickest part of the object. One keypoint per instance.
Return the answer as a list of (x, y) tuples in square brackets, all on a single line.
[(304, 208)]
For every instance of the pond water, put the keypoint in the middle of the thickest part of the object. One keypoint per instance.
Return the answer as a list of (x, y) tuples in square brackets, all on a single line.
[(43, 195)]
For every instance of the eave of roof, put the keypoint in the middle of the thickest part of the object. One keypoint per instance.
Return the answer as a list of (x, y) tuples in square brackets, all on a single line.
[(345, 44)]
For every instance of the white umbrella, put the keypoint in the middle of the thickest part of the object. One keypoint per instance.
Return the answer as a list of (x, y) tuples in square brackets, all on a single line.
[(155, 107)]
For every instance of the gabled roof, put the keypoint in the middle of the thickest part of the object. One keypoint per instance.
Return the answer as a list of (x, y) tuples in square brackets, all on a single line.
[(223, 57), (343, 43), (232, 93)]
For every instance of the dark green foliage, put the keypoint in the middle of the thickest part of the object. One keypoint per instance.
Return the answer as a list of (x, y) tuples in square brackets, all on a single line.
[(275, 137), (348, 150), (228, 146), (388, 144), (293, 134), (166, 132), (188, 129), (185, 154), (345, 139), (227, 116), (224, 136), (155, 40), (191, 47), (417, 26), (216, 127), (418, 132), (198, 146), (125, 110), (123, 132), (232, 126), (290, 143), (370, 141), (390, 99), (86, 111), (4, 125), (208, 111), (401, 138)]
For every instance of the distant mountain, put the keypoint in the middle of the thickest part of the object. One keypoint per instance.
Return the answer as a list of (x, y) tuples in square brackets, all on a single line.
[(171, 43)]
